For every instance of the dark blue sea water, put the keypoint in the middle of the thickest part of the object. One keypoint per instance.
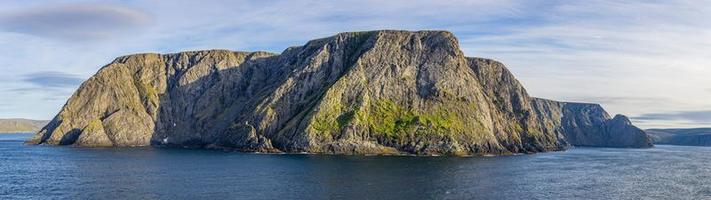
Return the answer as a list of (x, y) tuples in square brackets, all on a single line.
[(46, 172)]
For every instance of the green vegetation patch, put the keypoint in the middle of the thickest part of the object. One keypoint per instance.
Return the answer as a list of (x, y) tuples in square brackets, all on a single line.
[(387, 118), (394, 121), (148, 92), (93, 126)]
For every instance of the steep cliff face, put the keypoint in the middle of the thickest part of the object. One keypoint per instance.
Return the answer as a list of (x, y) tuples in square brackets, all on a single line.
[(589, 125), (512, 108), (379, 92)]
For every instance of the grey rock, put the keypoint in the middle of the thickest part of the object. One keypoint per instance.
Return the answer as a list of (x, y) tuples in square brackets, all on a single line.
[(377, 92), (583, 124)]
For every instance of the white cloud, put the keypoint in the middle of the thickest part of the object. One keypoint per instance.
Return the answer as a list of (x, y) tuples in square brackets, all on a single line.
[(75, 22), (634, 57), (657, 51)]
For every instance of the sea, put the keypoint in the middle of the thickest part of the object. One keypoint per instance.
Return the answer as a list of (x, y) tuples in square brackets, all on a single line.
[(63, 172)]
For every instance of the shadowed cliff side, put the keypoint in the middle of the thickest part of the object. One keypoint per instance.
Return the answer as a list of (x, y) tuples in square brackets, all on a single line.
[(585, 124), (378, 92)]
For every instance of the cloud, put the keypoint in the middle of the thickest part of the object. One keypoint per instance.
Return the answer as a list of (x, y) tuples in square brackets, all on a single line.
[(620, 100), (276, 25), (75, 21), (53, 79), (53, 98), (634, 57), (702, 116)]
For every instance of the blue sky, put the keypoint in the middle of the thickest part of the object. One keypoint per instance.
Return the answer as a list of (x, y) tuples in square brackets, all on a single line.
[(650, 60)]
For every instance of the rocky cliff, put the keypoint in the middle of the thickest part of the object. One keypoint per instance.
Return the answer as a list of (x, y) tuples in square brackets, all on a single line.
[(590, 125), (21, 125), (685, 137), (378, 92)]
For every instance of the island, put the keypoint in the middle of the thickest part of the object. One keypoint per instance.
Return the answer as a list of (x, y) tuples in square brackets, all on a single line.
[(385, 92)]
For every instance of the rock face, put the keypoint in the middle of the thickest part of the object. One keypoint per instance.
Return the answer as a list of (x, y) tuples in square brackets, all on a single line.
[(589, 125), (21, 125), (378, 92), (685, 137)]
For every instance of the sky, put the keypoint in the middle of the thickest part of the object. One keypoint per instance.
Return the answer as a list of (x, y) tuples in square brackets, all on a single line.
[(649, 60)]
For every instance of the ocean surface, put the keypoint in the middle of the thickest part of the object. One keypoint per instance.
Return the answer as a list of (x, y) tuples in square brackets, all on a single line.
[(48, 172)]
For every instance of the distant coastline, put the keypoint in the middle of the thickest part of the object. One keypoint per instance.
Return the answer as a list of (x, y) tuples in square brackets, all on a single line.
[(683, 137), (18, 125)]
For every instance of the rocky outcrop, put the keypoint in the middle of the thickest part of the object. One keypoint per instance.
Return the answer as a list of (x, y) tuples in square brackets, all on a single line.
[(589, 125), (21, 125), (684, 137), (578, 124), (378, 92)]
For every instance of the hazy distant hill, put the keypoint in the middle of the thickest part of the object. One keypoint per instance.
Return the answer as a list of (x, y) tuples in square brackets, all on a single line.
[(688, 137), (21, 125)]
